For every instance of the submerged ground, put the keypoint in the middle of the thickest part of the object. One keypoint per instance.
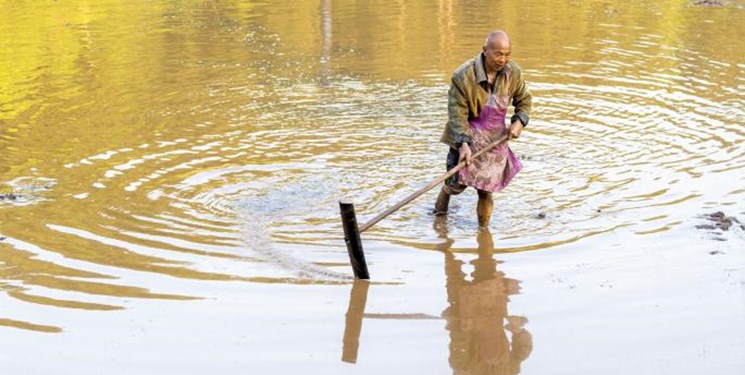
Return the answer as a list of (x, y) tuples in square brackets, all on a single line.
[(170, 172)]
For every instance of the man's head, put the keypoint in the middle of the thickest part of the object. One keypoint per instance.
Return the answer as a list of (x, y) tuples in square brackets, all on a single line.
[(497, 50)]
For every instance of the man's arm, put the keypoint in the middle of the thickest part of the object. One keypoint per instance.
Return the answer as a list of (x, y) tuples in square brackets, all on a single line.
[(458, 112), (522, 99), (458, 119)]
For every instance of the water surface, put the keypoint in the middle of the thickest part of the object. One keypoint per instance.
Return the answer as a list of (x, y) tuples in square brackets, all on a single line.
[(153, 148)]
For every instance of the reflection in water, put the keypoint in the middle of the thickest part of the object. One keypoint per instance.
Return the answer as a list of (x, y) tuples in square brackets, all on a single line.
[(325, 42), (355, 314), (162, 140), (29, 326), (353, 326), (477, 313), (477, 316)]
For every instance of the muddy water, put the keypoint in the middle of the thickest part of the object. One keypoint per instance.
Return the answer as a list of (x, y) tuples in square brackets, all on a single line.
[(176, 153)]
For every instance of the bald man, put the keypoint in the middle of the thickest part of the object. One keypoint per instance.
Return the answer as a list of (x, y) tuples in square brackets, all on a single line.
[(481, 92)]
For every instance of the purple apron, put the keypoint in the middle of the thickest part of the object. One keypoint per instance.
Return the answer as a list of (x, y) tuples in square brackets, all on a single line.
[(493, 170)]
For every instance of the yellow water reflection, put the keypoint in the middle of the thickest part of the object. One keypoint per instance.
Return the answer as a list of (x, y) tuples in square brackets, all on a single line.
[(29, 326), (210, 141), (478, 317), (353, 325)]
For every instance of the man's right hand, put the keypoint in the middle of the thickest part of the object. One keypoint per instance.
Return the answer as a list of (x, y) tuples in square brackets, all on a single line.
[(465, 153)]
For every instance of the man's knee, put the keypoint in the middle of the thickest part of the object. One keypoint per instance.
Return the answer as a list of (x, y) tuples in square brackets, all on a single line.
[(453, 189)]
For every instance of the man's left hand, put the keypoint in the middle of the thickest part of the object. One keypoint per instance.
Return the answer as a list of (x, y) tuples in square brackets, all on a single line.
[(515, 129)]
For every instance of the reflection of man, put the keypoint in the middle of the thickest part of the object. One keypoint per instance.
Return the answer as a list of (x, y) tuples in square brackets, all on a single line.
[(476, 316)]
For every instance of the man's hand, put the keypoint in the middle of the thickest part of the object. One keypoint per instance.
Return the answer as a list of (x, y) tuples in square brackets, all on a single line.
[(465, 153), (515, 129)]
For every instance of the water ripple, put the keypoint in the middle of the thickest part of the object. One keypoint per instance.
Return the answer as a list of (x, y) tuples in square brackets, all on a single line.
[(225, 156)]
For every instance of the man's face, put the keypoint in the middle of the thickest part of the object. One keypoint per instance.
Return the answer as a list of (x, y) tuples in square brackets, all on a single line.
[(497, 54)]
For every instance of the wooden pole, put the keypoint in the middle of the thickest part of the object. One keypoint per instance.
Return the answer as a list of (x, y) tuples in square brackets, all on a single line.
[(432, 184), (349, 219), (353, 240)]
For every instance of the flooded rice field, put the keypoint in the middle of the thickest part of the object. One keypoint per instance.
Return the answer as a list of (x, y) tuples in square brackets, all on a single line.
[(170, 173)]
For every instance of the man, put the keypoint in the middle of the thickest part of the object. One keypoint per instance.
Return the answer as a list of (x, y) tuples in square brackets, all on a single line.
[(480, 93)]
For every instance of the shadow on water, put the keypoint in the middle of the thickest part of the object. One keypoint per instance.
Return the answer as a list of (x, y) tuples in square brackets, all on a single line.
[(484, 337)]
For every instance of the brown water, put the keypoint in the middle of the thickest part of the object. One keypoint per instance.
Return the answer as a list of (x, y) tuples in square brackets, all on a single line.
[(171, 153)]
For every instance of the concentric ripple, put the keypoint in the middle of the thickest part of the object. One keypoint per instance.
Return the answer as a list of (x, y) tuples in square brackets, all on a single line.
[(218, 145)]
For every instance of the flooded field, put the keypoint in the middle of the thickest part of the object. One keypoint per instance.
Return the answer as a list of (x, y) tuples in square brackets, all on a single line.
[(170, 173)]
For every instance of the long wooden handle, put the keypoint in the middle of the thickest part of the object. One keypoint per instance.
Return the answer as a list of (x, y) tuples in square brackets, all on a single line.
[(432, 184)]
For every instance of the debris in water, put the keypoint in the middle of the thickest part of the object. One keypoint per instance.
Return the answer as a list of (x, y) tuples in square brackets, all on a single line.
[(718, 224), (720, 221), (709, 3), (715, 252), (541, 215)]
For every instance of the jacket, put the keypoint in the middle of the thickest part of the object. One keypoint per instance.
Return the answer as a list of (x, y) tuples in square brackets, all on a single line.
[(468, 95)]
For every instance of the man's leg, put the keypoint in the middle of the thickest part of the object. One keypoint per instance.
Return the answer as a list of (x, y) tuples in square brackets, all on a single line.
[(484, 208), (443, 201), (451, 185)]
